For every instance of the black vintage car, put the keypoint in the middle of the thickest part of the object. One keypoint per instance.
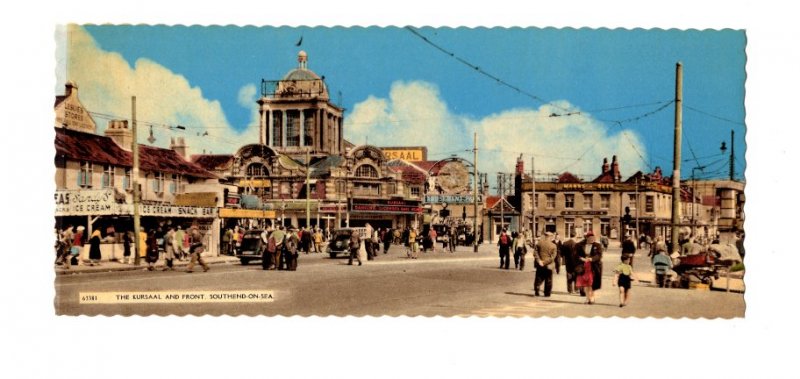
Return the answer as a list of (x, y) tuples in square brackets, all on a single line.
[(251, 246), (340, 241)]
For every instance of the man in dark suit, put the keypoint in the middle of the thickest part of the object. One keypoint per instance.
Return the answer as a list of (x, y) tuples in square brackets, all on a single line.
[(590, 248), (568, 254), (545, 260)]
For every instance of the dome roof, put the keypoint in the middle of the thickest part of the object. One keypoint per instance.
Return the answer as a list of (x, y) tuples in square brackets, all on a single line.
[(302, 82), (301, 74)]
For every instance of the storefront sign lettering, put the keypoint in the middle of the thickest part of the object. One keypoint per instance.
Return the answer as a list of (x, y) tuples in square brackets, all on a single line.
[(386, 206), (85, 202), (449, 199), (409, 154), (584, 213)]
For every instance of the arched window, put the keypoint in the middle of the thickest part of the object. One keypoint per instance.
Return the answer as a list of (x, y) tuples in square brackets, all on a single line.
[(257, 170), (366, 171)]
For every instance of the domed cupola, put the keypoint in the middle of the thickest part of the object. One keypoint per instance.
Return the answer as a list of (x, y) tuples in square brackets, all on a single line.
[(302, 82)]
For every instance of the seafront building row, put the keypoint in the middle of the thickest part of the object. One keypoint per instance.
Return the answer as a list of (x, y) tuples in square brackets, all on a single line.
[(302, 172)]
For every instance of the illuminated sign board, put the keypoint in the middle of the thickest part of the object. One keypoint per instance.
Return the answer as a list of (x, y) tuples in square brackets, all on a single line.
[(406, 153), (386, 206)]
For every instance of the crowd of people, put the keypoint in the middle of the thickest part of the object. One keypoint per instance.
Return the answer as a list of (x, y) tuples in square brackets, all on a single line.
[(170, 242), (582, 261)]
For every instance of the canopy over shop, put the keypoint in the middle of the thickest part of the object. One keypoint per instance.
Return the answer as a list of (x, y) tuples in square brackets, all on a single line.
[(106, 209)]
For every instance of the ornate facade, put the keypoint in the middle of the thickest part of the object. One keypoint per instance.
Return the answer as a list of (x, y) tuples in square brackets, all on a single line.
[(304, 172)]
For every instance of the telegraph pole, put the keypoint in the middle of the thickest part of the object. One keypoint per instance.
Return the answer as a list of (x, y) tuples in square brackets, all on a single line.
[(637, 209), (533, 201), (731, 163), (135, 183), (502, 183), (475, 192), (676, 164)]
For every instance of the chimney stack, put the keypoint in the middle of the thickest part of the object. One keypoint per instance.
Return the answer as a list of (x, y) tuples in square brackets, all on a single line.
[(615, 169), (179, 146), (118, 131), (605, 165), (70, 87)]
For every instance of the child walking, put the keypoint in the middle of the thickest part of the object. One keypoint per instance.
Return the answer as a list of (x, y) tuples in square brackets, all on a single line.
[(622, 277)]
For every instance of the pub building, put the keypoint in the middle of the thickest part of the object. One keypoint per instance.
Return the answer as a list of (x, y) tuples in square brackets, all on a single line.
[(610, 206), (94, 180), (302, 165)]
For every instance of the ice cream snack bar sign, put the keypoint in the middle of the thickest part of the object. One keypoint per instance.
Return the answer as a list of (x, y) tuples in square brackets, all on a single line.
[(177, 211), (86, 202)]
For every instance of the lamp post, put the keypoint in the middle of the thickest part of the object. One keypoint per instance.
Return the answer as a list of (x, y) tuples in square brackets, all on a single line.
[(135, 183), (283, 212), (694, 189), (475, 193)]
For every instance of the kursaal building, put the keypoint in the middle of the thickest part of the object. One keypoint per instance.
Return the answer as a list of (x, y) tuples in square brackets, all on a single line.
[(303, 172)]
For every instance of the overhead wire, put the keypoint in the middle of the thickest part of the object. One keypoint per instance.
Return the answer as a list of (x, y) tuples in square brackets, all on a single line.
[(713, 115)]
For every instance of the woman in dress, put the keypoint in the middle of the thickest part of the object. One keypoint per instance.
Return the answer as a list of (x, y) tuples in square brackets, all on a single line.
[(94, 248), (152, 250), (586, 279)]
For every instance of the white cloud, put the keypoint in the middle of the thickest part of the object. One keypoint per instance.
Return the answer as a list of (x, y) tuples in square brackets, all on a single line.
[(107, 82), (247, 95), (415, 114)]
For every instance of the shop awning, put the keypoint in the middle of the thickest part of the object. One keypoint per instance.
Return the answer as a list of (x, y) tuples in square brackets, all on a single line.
[(245, 213), (197, 199)]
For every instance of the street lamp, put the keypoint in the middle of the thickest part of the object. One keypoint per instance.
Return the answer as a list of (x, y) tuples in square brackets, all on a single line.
[(694, 189)]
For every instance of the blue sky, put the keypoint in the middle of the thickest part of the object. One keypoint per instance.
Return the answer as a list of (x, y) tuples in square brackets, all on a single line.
[(400, 90)]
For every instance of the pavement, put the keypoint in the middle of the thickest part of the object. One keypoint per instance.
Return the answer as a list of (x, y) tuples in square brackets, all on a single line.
[(111, 266), (643, 272)]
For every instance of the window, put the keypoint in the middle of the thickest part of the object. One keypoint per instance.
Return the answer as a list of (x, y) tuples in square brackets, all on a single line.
[(292, 128), (158, 182), (285, 189), (569, 227), (632, 201), (648, 204), (173, 184), (551, 201), (108, 176), (310, 121), (569, 201), (588, 201), (368, 189), (415, 190), (587, 225), (605, 201), (126, 180), (536, 201), (341, 187), (85, 175), (257, 170), (277, 128), (605, 227), (366, 171)]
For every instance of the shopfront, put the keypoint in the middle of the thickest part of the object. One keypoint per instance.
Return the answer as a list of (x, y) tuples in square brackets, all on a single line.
[(384, 213), (105, 210)]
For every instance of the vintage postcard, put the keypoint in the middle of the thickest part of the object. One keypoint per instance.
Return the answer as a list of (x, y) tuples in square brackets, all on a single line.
[(389, 171)]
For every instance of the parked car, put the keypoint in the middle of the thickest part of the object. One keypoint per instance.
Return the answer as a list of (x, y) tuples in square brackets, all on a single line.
[(340, 240), (251, 247)]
